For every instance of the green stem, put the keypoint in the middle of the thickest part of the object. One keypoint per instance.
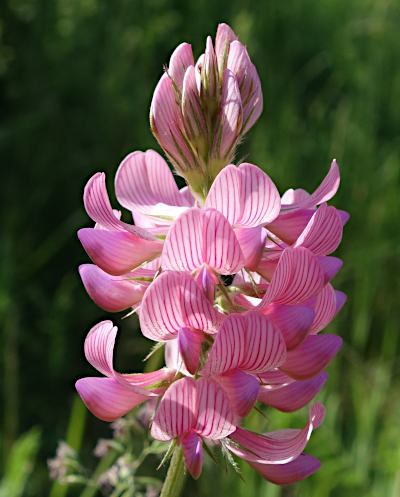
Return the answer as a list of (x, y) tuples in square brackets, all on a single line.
[(175, 478)]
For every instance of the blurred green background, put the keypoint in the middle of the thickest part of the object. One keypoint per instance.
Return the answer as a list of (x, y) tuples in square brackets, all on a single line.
[(76, 79)]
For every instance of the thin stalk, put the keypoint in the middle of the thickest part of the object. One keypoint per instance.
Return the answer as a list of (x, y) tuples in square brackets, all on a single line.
[(175, 478)]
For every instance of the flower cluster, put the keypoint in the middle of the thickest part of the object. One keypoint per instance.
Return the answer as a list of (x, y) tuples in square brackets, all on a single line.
[(232, 278)]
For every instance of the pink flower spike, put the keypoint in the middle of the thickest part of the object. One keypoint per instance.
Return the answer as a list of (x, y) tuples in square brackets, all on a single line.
[(323, 193), (230, 118), (242, 390), (174, 301), (312, 356), (292, 472), (245, 195), (202, 237), (223, 39), (215, 419), (176, 414), (192, 446), (106, 398), (189, 342), (293, 396), (277, 447), (323, 233), (118, 252), (111, 293), (180, 60)]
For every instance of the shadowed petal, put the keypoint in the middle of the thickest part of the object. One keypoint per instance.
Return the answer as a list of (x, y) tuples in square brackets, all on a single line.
[(288, 226), (223, 39), (192, 447), (180, 60), (242, 390), (189, 342), (324, 308)]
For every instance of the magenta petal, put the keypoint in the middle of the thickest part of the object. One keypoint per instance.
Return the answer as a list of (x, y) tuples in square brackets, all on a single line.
[(324, 308), (288, 226), (180, 60), (215, 418), (295, 395), (176, 414), (202, 237), (99, 347), (242, 390), (277, 447), (323, 193), (330, 266), (340, 300), (106, 398), (112, 293), (252, 243), (294, 321), (323, 233), (192, 447), (312, 356), (117, 252), (292, 472), (189, 342)]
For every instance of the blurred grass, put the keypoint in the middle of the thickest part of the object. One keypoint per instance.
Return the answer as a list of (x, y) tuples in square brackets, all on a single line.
[(76, 78)]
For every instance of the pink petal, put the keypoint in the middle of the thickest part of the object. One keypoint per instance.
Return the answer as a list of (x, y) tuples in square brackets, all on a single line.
[(202, 237), (180, 60), (192, 109), (106, 398), (209, 72), (344, 216), (293, 321), (215, 418), (330, 266), (223, 39), (192, 447), (323, 193), (285, 474), (288, 226), (111, 293), (117, 252), (174, 301), (253, 101), (312, 356), (252, 243), (340, 300), (189, 342), (230, 117), (206, 279), (144, 181), (242, 390), (323, 233), (99, 347), (275, 377), (278, 447), (176, 414), (294, 396), (324, 308), (245, 195)]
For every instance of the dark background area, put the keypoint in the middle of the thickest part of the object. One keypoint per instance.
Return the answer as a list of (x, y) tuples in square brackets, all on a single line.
[(76, 80)]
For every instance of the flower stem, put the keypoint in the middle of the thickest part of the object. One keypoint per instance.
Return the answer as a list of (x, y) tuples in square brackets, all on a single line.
[(175, 478)]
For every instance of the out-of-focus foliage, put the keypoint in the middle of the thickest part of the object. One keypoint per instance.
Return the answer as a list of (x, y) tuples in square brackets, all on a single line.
[(76, 79)]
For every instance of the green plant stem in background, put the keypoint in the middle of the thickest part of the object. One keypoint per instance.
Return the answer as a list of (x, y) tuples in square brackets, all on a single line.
[(176, 475)]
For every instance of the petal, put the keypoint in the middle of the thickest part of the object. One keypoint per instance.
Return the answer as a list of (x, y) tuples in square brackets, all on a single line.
[(330, 266), (252, 243), (340, 300), (245, 195), (312, 356), (176, 414), (174, 301), (242, 390), (117, 252), (215, 418), (192, 447), (180, 60), (294, 396), (288, 226), (202, 237), (324, 308), (189, 342), (278, 447), (323, 193), (106, 398), (209, 72), (294, 321), (323, 233), (192, 109), (111, 293), (223, 39), (285, 474)]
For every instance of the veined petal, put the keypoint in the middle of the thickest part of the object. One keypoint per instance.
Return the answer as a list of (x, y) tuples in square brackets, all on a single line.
[(223, 39), (330, 266), (252, 243), (288, 226), (293, 396), (277, 447), (189, 342), (215, 418), (294, 321), (192, 110), (323, 233), (192, 447), (106, 398), (253, 102), (112, 293), (176, 414), (323, 193), (202, 237), (285, 474), (99, 347), (180, 60), (242, 390), (312, 356), (324, 308), (117, 252)]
